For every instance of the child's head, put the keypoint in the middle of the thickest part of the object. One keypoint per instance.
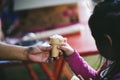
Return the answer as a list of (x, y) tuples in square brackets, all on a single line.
[(105, 27)]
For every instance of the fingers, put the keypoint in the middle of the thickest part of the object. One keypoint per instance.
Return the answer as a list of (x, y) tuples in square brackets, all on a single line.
[(45, 48), (39, 57), (60, 53), (53, 59), (36, 49), (64, 47), (39, 49), (65, 40), (60, 46)]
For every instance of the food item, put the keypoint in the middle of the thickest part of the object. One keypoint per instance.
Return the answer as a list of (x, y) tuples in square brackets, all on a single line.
[(55, 41)]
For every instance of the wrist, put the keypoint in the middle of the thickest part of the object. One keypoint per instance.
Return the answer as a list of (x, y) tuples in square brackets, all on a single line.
[(27, 51), (70, 53)]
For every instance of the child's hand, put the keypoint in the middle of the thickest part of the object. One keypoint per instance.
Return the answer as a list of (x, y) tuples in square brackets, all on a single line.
[(66, 48)]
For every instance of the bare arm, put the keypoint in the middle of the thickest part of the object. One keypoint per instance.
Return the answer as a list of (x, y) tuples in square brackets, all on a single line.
[(38, 53), (8, 51)]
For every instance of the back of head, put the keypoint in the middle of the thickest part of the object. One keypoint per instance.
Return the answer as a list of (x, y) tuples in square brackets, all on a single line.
[(2, 5), (106, 20)]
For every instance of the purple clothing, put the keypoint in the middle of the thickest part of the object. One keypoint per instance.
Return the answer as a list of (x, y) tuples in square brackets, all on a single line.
[(80, 67)]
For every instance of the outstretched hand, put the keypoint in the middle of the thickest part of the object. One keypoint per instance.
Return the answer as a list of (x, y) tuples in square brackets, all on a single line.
[(64, 50), (39, 53)]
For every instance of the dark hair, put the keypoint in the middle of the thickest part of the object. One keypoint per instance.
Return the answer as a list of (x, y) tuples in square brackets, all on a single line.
[(106, 20), (2, 4)]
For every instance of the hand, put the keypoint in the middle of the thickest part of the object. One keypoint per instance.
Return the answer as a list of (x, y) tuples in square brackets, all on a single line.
[(39, 53), (66, 48)]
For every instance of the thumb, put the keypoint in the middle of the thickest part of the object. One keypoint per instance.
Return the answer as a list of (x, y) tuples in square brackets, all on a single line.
[(63, 48), (44, 48)]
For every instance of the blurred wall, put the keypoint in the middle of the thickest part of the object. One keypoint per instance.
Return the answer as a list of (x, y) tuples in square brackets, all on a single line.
[(28, 4), (49, 17)]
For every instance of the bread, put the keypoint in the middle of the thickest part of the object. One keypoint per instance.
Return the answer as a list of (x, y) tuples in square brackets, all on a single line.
[(55, 41)]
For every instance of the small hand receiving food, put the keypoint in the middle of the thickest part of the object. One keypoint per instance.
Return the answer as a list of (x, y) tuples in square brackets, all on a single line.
[(59, 44), (66, 49), (55, 41)]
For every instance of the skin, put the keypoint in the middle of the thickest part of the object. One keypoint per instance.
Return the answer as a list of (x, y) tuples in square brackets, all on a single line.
[(38, 53), (68, 50), (32, 53)]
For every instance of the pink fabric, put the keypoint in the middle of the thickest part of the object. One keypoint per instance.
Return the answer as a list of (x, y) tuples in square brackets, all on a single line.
[(116, 77), (80, 67)]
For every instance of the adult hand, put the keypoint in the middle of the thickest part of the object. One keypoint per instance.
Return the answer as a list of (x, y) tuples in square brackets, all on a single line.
[(39, 53)]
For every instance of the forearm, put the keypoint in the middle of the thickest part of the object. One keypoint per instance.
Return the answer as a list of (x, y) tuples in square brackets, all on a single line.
[(80, 67), (8, 52)]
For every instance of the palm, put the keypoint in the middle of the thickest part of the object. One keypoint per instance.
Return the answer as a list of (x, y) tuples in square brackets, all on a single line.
[(39, 57)]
